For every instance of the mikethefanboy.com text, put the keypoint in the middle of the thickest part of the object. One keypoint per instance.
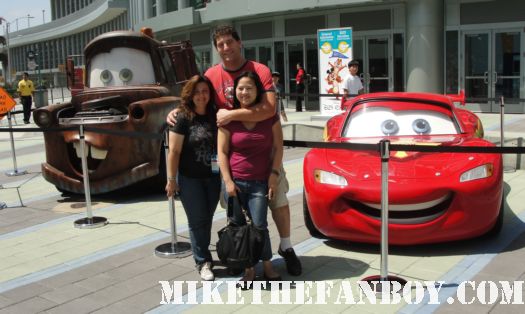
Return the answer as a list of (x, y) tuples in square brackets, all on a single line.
[(341, 292)]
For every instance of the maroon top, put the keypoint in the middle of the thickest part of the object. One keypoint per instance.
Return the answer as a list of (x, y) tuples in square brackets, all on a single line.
[(250, 150)]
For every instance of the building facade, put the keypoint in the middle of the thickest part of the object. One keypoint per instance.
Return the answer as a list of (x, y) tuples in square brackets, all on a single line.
[(440, 46)]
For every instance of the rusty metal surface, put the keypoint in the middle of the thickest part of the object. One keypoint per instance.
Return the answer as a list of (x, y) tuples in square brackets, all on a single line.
[(114, 161)]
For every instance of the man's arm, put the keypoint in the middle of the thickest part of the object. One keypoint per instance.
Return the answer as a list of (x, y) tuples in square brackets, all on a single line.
[(263, 110)]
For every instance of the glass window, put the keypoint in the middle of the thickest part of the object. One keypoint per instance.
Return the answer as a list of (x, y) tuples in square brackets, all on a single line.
[(171, 6), (200, 38), (304, 25), (256, 30), (279, 59), (399, 66), (371, 20)]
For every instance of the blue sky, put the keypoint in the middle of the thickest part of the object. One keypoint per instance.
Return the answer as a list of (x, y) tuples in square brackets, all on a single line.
[(19, 9)]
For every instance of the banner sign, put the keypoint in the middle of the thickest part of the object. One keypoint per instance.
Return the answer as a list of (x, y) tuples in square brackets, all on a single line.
[(335, 51)]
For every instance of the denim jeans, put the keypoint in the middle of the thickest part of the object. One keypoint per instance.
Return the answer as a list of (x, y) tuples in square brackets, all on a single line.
[(199, 198), (253, 198)]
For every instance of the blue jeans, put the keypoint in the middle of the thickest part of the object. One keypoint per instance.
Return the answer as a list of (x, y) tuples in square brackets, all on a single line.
[(199, 198), (253, 198)]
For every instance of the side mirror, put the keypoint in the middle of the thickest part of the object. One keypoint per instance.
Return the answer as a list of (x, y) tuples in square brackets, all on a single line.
[(70, 73)]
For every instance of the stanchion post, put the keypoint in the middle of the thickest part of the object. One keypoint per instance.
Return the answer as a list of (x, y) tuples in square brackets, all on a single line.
[(52, 90), (90, 221), (501, 121), (15, 171), (382, 283), (174, 248), (384, 151)]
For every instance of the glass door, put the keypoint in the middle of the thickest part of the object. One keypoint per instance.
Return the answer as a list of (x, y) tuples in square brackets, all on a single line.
[(311, 68), (492, 69), (378, 65), (476, 69), (375, 69), (259, 52), (295, 55), (304, 52), (506, 79)]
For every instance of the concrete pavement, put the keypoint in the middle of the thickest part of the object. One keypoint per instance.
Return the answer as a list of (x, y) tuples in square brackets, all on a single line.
[(49, 266)]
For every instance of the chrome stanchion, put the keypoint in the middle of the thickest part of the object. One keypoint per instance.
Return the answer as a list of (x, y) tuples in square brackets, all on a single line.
[(174, 248), (378, 281), (52, 90), (90, 221), (15, 171), (502, 137), (501, 121)]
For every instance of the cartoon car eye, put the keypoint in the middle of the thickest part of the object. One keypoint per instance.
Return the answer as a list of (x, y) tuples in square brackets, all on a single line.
[(106, 77), (421, 126), (389, 127), (125, 75)]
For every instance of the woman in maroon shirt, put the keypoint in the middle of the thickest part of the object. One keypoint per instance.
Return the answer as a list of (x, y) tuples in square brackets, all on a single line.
[(250, 154)]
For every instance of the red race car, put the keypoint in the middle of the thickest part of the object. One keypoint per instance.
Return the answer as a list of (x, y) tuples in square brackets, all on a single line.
[(433, 197)]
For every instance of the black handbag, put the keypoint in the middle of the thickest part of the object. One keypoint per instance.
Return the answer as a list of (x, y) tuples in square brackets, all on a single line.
[(239, 247)]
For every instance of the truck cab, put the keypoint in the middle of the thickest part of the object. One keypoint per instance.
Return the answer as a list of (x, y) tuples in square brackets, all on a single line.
[(131, 81)]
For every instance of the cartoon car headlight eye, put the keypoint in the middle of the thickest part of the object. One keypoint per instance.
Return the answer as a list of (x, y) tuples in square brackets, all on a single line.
[(106, 77), (389, 127), (421, 126), (125, 75)]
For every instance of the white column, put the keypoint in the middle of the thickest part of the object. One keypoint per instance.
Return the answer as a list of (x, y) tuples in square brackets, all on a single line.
[(148, 9), (182, 4), (161, 7), (140, 13), (425, 46)]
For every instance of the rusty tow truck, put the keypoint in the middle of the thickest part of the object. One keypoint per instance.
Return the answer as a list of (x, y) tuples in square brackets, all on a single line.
[(131, 82)]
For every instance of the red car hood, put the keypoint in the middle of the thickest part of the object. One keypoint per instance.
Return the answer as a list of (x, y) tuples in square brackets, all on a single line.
[(361, 165)]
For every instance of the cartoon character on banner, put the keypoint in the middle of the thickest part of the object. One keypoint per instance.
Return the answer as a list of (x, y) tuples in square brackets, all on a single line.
[(334, 78)]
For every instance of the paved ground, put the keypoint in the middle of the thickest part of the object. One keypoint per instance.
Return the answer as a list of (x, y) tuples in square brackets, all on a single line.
[(47, 265)]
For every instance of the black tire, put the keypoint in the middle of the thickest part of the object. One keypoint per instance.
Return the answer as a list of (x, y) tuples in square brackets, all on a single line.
[(314, 232)]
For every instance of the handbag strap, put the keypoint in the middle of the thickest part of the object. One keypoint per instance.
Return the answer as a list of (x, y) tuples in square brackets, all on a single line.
[(230, 208)]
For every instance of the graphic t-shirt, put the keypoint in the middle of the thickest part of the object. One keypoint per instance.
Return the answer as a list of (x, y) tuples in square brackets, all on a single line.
[(222, 81), (251, 149), (200, 138)]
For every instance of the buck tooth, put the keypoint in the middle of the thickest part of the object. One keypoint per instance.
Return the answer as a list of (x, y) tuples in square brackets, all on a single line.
[(76, 145), (98, 153)]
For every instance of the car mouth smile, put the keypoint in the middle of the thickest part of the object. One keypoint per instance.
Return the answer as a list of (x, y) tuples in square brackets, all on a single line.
[(94, 156), (406, 213)]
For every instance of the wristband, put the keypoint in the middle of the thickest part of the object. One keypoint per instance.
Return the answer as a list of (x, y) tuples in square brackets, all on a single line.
[(172, 178), (276, 172)]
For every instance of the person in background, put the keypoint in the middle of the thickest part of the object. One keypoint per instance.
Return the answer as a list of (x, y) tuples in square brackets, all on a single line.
[(352, 84), (192, 155), (278, 91), (250, 156), (26, 90), (228, 44), (299, 81)]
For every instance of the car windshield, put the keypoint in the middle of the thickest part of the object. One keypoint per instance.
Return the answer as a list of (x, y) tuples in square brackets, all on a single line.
[(399, 119), (120, 67)]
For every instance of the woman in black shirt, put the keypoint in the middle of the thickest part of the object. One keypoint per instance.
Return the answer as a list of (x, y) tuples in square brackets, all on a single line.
[(193, 155)]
